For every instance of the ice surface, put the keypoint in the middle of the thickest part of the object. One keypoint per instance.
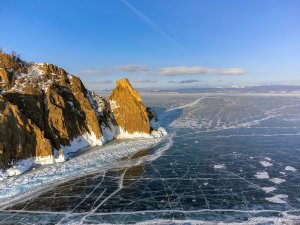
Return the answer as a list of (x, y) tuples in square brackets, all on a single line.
[(89, 162), (175, 182)]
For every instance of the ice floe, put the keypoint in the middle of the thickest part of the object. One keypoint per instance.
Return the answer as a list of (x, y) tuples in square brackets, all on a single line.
[(269, 189), (262, 175), (290, 168), (278, 198), (221, 166), (265, 163), (277, 180)]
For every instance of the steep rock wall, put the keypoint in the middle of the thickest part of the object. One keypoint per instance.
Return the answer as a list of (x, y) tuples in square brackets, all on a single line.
[(128, 108), (19, 137)]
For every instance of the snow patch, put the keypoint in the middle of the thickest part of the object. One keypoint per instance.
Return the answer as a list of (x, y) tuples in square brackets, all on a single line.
[(277, 180), (44, 160), (123, 134), (262, 175), (60, 159), (268, 158), (269, 189), (290, 168), (221, 166), (278, 199), (33, 71), (113, 105), (86, 140), (265, 163), (160, 132), (17, 169)]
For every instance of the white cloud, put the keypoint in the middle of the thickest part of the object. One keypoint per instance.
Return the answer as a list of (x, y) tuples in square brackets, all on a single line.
[(145, 81), (197, 70), (101, 82), (232, 71), (132, 68), (93, 72)]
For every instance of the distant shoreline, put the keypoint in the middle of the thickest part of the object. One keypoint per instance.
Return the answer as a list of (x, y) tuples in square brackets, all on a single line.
[(224, 93)]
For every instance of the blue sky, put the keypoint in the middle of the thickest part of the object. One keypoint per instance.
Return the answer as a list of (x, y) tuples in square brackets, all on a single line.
[(169, 43)]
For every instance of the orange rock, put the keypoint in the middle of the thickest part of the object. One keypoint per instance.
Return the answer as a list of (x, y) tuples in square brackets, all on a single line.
[(128, 108), (13, 62), (19, 137), (54, 101), (6, 79)]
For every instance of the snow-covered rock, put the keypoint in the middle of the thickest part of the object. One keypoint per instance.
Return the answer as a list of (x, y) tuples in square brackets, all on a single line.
[(46, 114)]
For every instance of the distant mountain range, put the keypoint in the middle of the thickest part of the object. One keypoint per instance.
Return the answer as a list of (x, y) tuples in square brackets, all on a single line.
[(239, 89)]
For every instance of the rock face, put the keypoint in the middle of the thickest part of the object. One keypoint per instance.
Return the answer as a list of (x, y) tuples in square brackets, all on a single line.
[(54, 102), (6, 78), (19, 137), (128, 108)]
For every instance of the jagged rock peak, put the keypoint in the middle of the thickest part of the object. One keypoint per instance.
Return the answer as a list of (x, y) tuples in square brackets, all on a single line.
[(128, 108)]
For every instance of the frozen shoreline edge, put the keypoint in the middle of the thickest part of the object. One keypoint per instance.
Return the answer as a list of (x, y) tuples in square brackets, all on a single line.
[(19, 188)]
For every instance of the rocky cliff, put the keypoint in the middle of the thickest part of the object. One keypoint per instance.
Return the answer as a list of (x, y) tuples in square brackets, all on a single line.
[(129, 110), (20, 138), (45, 111)]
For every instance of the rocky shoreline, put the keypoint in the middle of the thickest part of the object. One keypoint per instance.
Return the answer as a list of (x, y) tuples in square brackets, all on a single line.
[(47, 113)]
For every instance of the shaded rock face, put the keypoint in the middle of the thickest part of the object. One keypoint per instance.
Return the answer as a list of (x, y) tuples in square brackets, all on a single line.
[(128, 108), (101, 105), (54, 101), (20, 138)]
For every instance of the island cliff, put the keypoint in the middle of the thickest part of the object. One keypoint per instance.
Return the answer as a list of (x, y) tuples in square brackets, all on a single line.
[(127, 107), (45, 113)]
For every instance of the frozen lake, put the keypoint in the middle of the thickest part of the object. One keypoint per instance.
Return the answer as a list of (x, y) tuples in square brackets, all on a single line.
[(229, 158)]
